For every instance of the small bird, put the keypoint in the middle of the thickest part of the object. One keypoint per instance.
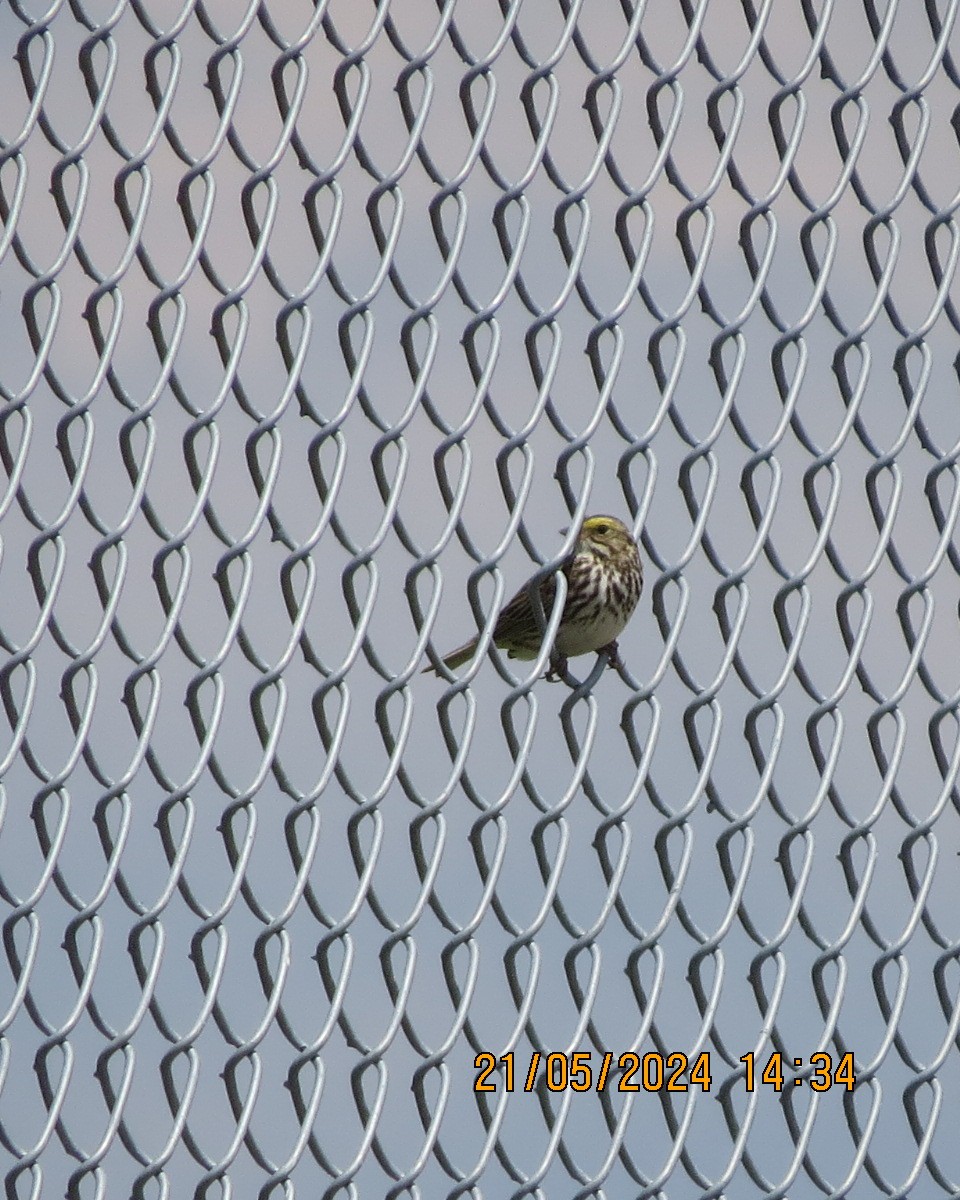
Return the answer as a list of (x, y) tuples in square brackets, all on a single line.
[(604, 580)]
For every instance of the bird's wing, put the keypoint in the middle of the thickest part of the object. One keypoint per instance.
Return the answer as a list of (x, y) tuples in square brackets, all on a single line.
[(516, 622), (517, 619)]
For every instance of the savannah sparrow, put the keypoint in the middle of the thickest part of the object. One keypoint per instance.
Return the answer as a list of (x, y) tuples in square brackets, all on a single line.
[(604, 578)]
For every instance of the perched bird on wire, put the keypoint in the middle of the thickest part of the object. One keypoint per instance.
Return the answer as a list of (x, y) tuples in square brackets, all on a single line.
[(604, 579)]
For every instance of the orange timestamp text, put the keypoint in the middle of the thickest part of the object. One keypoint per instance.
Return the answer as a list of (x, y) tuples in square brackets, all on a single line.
[(581, 1071)]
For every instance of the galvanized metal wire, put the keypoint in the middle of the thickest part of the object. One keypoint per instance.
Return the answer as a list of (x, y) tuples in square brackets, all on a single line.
[(319, 323)]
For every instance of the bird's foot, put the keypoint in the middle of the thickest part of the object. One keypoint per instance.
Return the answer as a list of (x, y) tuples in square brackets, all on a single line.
[(612, 651), (558, 667)]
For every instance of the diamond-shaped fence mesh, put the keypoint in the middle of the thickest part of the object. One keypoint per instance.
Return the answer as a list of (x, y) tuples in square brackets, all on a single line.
[(318, 324)]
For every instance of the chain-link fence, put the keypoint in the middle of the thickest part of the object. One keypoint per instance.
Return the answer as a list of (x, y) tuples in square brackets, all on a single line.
[(319, 321)]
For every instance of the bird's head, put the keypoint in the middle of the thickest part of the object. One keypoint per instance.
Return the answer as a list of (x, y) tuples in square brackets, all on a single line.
[(606, 537)]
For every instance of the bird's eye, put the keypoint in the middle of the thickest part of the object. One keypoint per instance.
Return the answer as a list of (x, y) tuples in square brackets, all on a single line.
[(601, 529)]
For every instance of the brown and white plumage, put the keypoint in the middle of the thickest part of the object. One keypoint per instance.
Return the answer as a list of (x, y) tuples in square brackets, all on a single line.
[(604, 579)]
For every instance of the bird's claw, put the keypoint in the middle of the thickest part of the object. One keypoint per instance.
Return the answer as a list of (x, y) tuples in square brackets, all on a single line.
[(558, 668), (558, 663)]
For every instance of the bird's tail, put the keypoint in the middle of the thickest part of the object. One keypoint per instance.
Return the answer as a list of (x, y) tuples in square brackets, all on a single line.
[(456, 658)]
